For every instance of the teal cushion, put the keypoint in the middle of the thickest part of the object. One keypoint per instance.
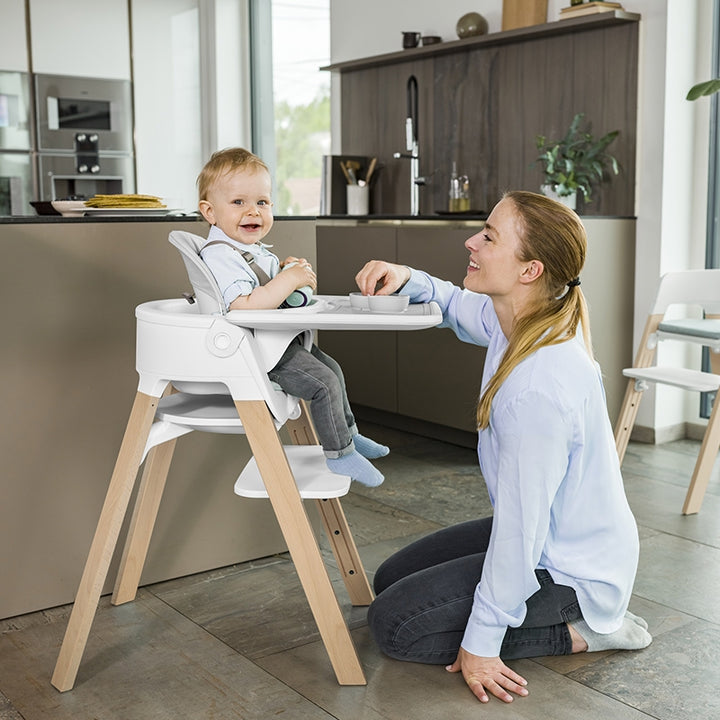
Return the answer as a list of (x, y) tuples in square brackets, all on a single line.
[(696, 327)]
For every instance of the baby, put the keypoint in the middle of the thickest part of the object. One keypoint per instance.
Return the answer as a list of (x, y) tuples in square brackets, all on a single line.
[(234, 190)]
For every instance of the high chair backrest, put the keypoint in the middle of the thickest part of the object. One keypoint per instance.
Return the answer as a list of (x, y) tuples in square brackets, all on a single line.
[(689, 287), (207, 293)]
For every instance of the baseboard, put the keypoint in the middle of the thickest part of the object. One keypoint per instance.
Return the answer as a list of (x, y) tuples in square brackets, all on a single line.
[(463, 438), (669, 433)]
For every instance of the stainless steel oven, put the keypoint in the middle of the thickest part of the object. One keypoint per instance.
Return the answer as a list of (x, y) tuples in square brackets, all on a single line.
[(70, 176), (84, 137), (16, 166), (15, 115), (96, 110)]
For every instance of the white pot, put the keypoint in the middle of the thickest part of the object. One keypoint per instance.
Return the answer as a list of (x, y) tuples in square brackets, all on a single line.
[(569, 200)]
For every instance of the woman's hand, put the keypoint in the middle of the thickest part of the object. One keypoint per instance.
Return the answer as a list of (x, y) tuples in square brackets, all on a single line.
[(488, 674), (391, 277)]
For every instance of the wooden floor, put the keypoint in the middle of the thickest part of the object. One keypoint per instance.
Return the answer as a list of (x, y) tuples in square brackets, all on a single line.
[(240, 642)]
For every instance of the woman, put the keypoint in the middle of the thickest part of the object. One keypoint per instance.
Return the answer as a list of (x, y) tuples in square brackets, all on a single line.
[(551, 572)]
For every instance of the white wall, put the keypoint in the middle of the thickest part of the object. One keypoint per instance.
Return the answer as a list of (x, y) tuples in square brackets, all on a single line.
[(672, 133)]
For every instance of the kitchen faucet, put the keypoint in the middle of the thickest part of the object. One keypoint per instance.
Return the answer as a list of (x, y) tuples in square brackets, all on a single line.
[(411, 140)]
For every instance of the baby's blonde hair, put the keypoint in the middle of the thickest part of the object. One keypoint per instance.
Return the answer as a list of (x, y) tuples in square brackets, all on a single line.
[(554, 235), (223, 162)]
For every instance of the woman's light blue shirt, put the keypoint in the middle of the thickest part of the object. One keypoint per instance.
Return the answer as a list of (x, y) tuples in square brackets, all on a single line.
[(552, 472)]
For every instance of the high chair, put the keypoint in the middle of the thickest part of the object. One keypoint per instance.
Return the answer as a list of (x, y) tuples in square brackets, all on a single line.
[(689, 288), (218, 372)]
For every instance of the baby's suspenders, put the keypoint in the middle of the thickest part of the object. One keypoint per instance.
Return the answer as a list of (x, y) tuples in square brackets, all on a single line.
[(262, 276)]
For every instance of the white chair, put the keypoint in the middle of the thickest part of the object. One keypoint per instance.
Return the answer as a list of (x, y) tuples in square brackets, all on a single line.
[(220, 372), (700, 288)]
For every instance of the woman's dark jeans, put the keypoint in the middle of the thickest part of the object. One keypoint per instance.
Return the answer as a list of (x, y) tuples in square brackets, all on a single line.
[(425, 594)]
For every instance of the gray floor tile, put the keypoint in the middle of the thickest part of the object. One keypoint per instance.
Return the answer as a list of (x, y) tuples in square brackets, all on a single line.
[(143, 660), (241, 641), (255, 613), (398, 690), (675, 678), (681, 575)]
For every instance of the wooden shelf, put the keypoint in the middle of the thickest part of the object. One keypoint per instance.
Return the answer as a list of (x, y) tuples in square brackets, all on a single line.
[(558, 27)]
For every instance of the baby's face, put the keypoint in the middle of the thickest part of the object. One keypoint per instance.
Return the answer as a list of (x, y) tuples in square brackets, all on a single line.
[(239, 204)]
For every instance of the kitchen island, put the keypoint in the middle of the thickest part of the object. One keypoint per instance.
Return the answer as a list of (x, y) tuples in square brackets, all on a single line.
[(69, 288)]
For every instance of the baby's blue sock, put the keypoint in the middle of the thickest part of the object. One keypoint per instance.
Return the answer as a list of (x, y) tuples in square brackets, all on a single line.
[(369, 448), (357, 467)]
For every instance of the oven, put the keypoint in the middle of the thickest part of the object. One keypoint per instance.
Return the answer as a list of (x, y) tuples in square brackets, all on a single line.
[(84, 136), (16, 167)]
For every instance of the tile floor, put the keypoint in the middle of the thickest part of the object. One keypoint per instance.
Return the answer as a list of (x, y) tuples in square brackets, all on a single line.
[(240, 642)]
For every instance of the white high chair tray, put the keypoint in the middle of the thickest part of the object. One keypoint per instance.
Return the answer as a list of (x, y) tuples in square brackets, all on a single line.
[(333, 312)]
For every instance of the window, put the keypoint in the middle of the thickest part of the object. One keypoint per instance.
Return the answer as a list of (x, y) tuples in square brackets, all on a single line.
[(290, 41)]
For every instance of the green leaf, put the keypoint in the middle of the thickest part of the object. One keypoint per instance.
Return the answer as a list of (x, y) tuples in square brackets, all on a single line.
[(709, 87)]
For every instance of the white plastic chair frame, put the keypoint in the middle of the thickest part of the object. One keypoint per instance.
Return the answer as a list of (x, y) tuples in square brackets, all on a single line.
[(179, 345), (690, 288)]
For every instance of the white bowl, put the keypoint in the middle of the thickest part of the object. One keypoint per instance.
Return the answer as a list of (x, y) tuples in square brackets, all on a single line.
[(388, 303), (70, 208), (358, 301)]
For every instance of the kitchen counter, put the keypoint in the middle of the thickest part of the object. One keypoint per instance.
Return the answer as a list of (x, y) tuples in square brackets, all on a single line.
[(68, 292)]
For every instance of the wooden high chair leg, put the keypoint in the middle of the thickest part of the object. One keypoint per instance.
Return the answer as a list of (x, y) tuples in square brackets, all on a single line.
[(300, 539), (152, 484), (104, 541), (626, 418), (302, 432), (704, 465), (345, 551)]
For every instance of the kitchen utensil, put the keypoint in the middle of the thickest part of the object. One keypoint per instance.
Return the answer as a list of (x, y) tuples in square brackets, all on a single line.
[(371, 170)]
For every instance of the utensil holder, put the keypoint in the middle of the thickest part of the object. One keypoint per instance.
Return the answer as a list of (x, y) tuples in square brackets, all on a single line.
[(358, 199)]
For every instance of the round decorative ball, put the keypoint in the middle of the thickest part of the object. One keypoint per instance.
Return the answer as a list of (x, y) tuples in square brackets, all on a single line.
[(471, 24)]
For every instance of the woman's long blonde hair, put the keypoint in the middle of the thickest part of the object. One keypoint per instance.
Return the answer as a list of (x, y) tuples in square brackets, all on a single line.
[(554, 235)]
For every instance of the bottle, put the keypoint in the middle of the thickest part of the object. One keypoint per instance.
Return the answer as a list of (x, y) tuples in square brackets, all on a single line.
[(454, 194), (459, 194)]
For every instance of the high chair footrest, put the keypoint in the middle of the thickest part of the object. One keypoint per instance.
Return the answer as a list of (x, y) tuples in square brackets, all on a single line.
[(677, 377), (313, 478)]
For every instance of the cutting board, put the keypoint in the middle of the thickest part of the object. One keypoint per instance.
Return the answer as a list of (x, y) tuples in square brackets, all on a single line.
[(521, 13)]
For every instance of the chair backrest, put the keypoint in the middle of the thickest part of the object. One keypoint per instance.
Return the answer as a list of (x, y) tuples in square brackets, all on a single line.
[(207, 293), (689, 287)]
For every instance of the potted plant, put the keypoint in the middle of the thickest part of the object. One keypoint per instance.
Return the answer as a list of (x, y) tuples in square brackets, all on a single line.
[(576, 163)]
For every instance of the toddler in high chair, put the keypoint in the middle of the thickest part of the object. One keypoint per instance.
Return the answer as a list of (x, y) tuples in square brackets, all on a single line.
[(234, 190)]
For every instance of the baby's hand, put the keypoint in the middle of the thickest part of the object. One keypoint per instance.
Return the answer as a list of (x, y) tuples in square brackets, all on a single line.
[(301, 273), (293, 261)]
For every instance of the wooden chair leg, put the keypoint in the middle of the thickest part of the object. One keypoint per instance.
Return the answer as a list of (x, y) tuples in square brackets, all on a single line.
[(152, 484), (345, 551), (705, 462), (626, 419), (104, 541), (299, 536), (302, 432)]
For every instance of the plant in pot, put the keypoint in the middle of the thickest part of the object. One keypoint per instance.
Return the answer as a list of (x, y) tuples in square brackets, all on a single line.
[(576, 163)]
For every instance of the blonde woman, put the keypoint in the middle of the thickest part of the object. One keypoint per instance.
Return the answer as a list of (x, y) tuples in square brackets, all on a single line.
[(551, 572)]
